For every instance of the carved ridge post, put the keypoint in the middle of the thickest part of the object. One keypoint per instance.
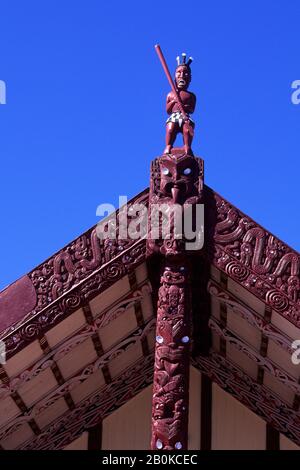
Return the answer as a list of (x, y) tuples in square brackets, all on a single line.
[(176, 183)]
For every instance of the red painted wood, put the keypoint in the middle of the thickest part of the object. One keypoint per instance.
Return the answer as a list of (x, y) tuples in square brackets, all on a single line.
[(171, 186), (16, 301)]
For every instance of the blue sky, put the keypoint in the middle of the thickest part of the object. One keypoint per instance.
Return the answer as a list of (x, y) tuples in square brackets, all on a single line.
[(85, 111)]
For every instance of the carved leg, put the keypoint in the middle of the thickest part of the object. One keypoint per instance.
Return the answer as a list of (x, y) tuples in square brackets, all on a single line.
[(172, 352), (187, 139), (171, 133)]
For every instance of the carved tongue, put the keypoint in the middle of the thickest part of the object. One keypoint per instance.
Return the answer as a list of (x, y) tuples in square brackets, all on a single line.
[(175, 194)]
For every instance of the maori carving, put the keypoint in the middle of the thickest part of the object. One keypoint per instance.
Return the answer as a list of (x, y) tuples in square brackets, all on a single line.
[(79, 295), (256, 397), (180, 103), (176, 182), (256, 259), (170, 388), (277, 287), (176, 173)]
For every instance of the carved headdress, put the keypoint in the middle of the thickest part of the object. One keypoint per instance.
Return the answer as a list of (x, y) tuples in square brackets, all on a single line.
[(183, 61)]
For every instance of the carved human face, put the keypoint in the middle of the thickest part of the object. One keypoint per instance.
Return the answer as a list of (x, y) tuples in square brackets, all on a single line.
[(182, 77), (178, 178), (173, 296)]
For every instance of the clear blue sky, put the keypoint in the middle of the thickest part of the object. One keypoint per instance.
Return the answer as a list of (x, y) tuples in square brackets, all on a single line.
[(85, 111)]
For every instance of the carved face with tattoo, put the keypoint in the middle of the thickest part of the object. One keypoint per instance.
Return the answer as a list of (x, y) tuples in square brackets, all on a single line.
[(183, 77)]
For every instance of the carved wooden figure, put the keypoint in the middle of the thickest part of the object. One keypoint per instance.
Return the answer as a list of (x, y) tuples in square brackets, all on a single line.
[(180, 104)]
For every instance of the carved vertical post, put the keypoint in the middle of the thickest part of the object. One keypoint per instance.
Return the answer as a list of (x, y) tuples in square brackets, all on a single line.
[(171, 376), (176, 184)]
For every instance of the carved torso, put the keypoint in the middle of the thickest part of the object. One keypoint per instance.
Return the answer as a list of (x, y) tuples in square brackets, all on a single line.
[(188, 100)]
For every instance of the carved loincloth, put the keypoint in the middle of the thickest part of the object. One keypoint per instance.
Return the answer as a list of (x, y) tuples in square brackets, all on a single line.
[(178, 117)]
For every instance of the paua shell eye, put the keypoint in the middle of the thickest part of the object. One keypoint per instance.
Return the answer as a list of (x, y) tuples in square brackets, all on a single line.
[(165, 171), (187, 171)]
